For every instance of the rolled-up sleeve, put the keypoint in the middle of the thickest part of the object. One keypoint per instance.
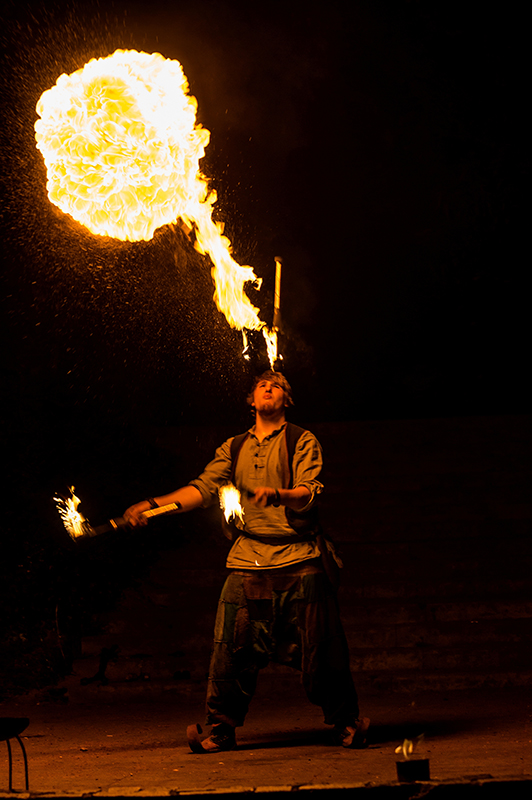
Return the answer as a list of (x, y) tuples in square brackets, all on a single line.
[(307, 466), (216, 473)]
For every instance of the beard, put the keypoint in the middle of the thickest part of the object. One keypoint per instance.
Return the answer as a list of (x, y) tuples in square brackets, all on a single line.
[(267, 408)]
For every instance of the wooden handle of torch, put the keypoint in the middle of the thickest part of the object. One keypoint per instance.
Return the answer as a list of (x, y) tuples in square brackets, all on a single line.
[(277, 294), (171, 508), (120, 522), (158, 511)]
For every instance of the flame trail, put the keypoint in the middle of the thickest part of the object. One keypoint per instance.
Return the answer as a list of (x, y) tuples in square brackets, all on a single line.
[(122, 147)]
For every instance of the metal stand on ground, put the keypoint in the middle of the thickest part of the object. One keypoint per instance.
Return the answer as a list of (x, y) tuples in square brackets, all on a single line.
[(11, 728)]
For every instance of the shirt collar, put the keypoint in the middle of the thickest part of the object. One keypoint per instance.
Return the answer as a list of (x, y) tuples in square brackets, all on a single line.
[(269, 435)]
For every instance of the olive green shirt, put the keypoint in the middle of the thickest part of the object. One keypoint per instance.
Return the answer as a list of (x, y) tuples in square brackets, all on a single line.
[(261, 464)]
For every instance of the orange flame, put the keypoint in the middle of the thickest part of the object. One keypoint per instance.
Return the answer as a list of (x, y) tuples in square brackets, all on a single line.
[(409, 746), (230, 502), (122, 147), (73, 520)]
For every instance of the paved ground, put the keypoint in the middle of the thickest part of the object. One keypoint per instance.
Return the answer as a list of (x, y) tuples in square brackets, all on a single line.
[(130, 739)]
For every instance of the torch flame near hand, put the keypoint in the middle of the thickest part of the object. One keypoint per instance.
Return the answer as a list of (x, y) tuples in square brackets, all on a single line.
[(230, 502), (79, 527), (73, 520)]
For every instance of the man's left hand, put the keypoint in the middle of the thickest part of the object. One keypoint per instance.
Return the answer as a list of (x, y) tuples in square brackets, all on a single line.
[(265, 496)]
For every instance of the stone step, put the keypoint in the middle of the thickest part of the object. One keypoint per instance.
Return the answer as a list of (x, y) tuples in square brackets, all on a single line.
[(482, 659), (378, 510), (490, 498), (400, 613), (417, 465), (357, 529), (415, 681), (394, 668), (486, 645), (204, 586), (131, 668), (411, 484), (435, 562), (407, 681), (469, 635), (459, 590)]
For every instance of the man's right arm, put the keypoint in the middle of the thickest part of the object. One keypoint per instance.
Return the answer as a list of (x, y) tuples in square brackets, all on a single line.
[(188, 498), (200, 492)]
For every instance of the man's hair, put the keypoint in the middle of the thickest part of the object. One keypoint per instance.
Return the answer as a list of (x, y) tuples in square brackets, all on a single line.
[(278, 379)]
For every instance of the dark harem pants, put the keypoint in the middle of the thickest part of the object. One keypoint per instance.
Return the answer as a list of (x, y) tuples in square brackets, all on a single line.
[(288, 615)]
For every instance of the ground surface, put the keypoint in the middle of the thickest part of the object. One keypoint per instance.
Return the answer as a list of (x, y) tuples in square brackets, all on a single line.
[(122, 740)]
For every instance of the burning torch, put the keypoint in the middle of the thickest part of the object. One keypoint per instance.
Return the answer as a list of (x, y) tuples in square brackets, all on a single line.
[(230, 505), (79, 527), (271, 334)]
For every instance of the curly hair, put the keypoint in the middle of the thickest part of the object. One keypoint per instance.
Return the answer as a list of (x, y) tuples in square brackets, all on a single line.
[(276, 378)]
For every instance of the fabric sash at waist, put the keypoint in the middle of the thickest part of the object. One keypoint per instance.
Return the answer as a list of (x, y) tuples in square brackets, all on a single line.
[(290, 538), (311, 566)]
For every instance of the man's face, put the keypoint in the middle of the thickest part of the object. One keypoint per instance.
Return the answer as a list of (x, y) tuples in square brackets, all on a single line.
[(268, 398)]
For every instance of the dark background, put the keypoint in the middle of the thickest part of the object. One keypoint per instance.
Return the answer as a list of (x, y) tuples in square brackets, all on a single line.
[(378, 147)]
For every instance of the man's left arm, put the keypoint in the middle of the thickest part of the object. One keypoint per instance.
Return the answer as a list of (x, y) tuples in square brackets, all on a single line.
[(297, 499)]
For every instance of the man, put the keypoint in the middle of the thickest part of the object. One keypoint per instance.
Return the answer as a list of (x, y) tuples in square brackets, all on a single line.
[(278, 602)]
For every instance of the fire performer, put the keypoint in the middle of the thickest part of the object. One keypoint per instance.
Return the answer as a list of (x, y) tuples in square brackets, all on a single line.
[(279, 601)]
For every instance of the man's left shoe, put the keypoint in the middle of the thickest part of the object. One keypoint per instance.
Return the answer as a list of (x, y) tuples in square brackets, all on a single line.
[(354, 736), (222, 738)]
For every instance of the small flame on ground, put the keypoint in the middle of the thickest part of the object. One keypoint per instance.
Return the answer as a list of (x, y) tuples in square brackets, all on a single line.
[(409, 746), (73, 520), (122, 148), (230, 502)]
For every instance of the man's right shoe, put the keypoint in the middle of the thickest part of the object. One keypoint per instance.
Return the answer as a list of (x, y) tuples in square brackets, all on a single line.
[(354, 736), (222, 738)]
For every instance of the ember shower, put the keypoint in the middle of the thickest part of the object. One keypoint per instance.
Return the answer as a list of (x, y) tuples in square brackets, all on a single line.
[(122, 148)]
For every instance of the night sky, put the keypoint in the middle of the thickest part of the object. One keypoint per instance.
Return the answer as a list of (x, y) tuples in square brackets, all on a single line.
[(378, 147)]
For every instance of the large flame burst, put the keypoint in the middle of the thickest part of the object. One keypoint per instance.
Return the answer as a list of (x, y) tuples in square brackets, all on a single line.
[(122, 148)]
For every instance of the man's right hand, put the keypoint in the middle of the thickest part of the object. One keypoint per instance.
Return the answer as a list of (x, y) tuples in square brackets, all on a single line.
[(134, 515), (188, 497)]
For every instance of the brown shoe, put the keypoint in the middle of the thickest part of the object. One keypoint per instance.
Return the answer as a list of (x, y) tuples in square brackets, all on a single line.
[(222, 738), (355, 736)]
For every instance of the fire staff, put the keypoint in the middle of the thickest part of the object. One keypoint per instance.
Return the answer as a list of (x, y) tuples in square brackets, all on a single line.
[(279, 601)]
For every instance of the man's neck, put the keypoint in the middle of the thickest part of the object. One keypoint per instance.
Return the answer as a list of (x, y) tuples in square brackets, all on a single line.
[(266, 425)]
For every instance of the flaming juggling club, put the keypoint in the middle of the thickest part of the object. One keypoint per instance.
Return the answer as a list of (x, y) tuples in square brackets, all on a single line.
[(79, 527), (119, 522)]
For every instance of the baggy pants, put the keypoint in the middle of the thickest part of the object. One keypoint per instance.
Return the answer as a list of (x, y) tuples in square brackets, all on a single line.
[(289, 615)]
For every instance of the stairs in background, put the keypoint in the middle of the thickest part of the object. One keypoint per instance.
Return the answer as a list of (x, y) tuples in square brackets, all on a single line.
[(434, 522)]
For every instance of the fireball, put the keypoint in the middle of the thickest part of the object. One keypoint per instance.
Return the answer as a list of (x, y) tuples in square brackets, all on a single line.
[(122, 148)]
